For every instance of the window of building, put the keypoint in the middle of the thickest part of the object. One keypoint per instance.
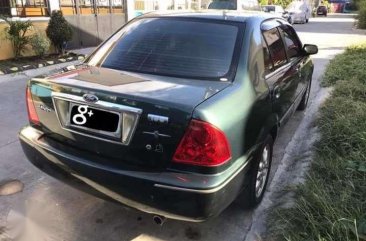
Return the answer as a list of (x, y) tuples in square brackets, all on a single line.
[(86, 7), (276, 47), (31, 8), (117, 6), (68, 7), (102, 6), (4, 7)]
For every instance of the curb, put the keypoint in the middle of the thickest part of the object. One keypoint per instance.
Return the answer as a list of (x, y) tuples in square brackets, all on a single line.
[(12, 70)]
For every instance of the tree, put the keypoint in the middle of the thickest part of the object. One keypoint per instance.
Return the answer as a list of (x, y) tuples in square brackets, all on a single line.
[(59, 31), (16, 32)]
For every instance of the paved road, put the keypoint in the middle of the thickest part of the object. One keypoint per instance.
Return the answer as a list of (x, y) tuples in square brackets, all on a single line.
[(50, 210)]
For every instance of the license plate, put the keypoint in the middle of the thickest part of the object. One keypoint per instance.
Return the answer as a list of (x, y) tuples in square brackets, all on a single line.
[(94, 119)]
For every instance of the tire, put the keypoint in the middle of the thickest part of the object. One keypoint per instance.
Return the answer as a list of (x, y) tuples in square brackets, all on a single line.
[(290, 20), (307, 20), (305, 98), (254, 192)]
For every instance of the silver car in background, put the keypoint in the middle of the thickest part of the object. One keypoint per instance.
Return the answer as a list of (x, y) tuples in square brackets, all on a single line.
[(298, 12)]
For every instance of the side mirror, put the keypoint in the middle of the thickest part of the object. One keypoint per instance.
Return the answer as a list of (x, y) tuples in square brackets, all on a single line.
[(310, 49)]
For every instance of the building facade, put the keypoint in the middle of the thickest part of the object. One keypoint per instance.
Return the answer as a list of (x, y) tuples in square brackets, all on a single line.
[(92, 20)]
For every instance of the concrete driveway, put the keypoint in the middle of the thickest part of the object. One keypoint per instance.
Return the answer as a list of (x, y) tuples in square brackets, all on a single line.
[(49, 210)]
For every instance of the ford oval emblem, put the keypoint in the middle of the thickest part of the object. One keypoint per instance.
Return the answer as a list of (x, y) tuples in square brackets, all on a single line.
[(90, 98)]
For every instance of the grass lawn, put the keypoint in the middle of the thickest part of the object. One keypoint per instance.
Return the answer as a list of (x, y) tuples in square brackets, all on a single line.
[(331, 204)]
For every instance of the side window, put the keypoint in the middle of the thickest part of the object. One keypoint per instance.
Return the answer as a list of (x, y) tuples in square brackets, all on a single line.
[(293, 45), (276, 47), (268, 65)]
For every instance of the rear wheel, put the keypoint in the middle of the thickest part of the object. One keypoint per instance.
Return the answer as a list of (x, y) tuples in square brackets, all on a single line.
[(258, 175), (304, 20), (291, 20)]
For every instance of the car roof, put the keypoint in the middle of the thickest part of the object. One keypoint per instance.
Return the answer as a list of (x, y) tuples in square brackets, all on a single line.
[(226, 15)]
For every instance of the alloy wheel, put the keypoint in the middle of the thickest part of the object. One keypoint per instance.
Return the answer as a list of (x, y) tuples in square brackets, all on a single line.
[(262, 173)]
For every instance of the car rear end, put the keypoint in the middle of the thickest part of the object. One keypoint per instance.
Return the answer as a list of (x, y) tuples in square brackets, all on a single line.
[(322, 10), (121, 125)]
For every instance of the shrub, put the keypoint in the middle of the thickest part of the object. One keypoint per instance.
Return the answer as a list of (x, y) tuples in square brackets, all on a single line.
[(40, 44), (362, 15), (17, 34), (351, 63), (59, 31)]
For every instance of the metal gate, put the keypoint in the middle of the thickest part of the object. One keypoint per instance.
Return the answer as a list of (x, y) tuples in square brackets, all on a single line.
[(92, 20)]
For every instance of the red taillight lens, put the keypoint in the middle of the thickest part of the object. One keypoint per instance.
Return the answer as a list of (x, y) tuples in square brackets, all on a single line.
[(32, 114), (203, 145)]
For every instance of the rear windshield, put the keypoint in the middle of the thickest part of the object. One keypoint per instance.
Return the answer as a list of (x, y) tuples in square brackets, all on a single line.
[(175, 47)]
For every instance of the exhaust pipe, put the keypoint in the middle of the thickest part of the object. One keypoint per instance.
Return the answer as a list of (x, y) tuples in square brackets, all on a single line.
[(159, 220)]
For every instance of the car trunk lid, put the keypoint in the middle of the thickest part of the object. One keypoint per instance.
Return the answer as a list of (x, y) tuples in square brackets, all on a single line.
[(154, 112)]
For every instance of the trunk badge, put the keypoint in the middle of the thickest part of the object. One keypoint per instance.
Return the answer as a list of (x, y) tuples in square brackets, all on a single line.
[(158, 118), (90, 98)]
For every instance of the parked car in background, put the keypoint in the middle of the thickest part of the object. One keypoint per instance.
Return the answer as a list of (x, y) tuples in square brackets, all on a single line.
[(276, 10), (175, 114), (322, 10), (298, 12)]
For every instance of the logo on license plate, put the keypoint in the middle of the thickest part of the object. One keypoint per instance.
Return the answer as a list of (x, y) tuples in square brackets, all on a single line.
[(81, 119)]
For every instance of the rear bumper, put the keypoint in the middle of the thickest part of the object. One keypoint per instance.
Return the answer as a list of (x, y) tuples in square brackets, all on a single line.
[(183, 196)]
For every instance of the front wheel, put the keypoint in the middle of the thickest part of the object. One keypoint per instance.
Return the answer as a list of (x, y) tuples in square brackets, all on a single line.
[(258, 175)]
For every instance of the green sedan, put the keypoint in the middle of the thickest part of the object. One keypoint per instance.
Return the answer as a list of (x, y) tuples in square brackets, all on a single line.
[(175, 114)]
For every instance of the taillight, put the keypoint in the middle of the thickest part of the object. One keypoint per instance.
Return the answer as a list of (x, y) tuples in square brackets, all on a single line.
[(32, 114), (203, 145)]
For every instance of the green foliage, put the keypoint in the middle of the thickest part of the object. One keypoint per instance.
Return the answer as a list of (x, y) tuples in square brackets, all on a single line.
[(40, 44), (283, 3), (331, 205), (361, 17), (351, 63), (59, 31), (16, 32)]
